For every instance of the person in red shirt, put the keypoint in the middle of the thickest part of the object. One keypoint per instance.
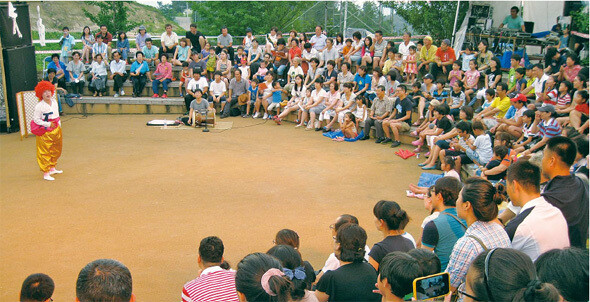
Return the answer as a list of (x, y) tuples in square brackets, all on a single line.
[(445, 56), (294, 51)]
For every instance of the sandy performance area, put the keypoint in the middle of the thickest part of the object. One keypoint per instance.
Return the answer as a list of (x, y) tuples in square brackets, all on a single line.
[(146, 196)]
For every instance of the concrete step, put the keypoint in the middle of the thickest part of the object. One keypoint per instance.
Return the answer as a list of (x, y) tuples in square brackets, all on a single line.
[(125, 105), (173, 89)]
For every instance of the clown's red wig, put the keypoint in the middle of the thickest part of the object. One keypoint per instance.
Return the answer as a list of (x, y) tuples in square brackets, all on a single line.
[(41, 87)]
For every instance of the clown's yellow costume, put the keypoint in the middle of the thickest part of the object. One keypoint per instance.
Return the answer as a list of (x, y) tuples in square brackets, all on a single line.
[(46, 125)]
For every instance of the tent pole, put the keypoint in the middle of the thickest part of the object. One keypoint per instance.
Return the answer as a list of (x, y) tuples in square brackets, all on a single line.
[(455, 24)]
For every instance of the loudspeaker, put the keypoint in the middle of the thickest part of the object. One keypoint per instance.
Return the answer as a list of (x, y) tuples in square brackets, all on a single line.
[(21, 75), (9, 39), (528, 27)]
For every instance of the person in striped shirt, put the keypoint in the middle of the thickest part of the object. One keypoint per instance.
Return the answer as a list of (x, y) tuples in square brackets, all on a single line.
[(215, 280), (546, 126)]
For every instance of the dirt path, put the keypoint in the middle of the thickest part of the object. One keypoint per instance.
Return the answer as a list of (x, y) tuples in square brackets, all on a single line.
[(147, 196)]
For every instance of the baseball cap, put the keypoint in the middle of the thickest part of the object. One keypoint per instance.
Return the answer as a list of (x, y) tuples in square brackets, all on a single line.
[(428, 76), (141, 27), (547, 108), (248, 30), (519, 98), (447, 41)]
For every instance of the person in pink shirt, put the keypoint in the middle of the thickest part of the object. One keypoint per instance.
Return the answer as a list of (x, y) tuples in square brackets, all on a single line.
[(571, 68), (471, 79), (163, 75)]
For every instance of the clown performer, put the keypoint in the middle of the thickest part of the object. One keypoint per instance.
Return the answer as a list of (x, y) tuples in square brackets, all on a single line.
[(47, 127)]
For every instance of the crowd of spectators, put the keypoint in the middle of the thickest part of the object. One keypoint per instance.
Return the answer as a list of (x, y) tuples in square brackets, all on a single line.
[(508, 219)]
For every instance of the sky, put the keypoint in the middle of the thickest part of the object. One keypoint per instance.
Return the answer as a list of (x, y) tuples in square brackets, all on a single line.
[(154, 3)]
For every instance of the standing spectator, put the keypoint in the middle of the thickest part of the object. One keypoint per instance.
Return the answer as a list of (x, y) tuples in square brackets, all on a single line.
[(544, 126), (88, 41), (60, 70), (260, 278), (445, 57), (196, 39), (564, 190), (66, 42), (379, 55), (150, 52), (380, 109), (123, 45), (98, 74), (142, 35), (99, 48), (505, 275), (238, 93), (540, 226), (318, 41), (169, 41), (391, 221), (225, 42), (427, 57), (76, 70), (118, 74), (104, 280), (400, 119), (441, 234), (215, 280), (107, 38), (567, 270), (162, 75), (478, 205), (37, 288), (404, 47), (355, 279), (139, 73)]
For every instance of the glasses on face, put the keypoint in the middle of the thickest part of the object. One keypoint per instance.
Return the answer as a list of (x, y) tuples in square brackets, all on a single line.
[(463, 294)]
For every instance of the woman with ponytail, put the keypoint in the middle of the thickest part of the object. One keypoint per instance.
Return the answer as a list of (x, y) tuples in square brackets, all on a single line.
[(390, 220), (295, 271), (355, 279), (260, 277), (478, 204), (505, 275)]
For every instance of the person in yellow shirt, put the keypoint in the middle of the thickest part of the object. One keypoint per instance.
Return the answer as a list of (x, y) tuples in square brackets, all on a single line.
[(497, 109), (427, 57)]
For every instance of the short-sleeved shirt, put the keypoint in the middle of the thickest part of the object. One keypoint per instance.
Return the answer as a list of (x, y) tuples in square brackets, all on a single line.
[(440, 95), (445, 124), (403, 107), (361, 81), (381, 106), (76, 69), (318, 42), (428, 54), (330, 54), (425, 89), (200, 107), (238, 88), (549, 128), (472, 77), (390, 244), (345, 78), (379, 48), (484, 58), (201, 64), (193, 84), (445, 56), (483, 147), (214, 284), (502, 105), (224, 40), (466, 58), (442, 233), (513, 23), (150, 53), (330, 75), (351, 100), (457, 98), (194, 38), (405, 49), (492, 75), (217, 89), (538, 85), (169, 40), (140, 40), (315, 95), (350, 282), (253, 93)]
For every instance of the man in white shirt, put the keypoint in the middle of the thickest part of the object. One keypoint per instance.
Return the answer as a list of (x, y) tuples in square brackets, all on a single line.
[(318, 41), (197, 82), (404, 47), (538, 83), (118, 74), (218, 89), (539, 226), (169, 40)]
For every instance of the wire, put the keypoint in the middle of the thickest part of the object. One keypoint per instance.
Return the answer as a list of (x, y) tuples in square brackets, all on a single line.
[(247, 126)]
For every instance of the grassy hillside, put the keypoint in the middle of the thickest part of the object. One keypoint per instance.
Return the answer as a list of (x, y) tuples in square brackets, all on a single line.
[(54, 19)]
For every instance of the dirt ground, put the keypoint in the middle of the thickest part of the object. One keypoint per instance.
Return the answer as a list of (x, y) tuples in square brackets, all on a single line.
[(146, 196)]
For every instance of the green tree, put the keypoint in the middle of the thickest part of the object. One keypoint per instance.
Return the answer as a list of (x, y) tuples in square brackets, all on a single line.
[(113, 14), (435, 18)]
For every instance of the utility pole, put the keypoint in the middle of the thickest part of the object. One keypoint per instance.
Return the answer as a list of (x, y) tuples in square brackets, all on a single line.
[(345, 16), (326, 16)]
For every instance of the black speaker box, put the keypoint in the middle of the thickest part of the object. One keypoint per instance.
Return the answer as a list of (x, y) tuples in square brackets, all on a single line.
[(9, 39), (21, 75)]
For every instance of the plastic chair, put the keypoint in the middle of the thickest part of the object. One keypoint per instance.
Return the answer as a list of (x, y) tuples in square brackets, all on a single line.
[(46, 62)]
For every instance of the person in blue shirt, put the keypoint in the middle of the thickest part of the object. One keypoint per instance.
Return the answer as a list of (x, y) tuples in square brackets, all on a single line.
[(252, 97), (67, 42), (60, 70), (139, 73), (363, 81), (123, 45)]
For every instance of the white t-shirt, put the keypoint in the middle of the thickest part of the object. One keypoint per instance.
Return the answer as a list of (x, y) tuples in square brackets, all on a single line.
[(483, 147), (294, 71), (194, 84), (538, 84), (405, 49), (357, 46), (315, 95), (332, 263), (217, 89), (298, 94), (308, 55), (454, 174)]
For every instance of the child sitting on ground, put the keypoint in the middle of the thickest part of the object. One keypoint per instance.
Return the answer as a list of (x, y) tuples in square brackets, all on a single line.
[(488, 172), (349, 129), (185, 77), (447, 165)]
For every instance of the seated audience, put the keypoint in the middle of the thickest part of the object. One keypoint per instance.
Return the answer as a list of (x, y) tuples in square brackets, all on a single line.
[(104, 280), (215, 280), (98, 76), (141, 37), (296, 271), (238, 93), (354, 279), (400, 118), (545, 126), (76, 70), (198, 109), (118, 73), (396, 276), (225, 42), (123, 45), (139, 73), (502, 274), (150, 52), (37, 288), (182, 53), (60, 70), (260, 277), (567, 270), (539, 226), (380, 109), (197, 82), (162, 75), (391, 221), (169, 41)]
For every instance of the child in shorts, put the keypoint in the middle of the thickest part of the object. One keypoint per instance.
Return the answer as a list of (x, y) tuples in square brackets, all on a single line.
[(488, 172), (277, 98), (185, 77), (252, 96)]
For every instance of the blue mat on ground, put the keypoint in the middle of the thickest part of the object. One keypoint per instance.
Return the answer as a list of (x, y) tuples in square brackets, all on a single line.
[(428, 179), (335, 134)]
